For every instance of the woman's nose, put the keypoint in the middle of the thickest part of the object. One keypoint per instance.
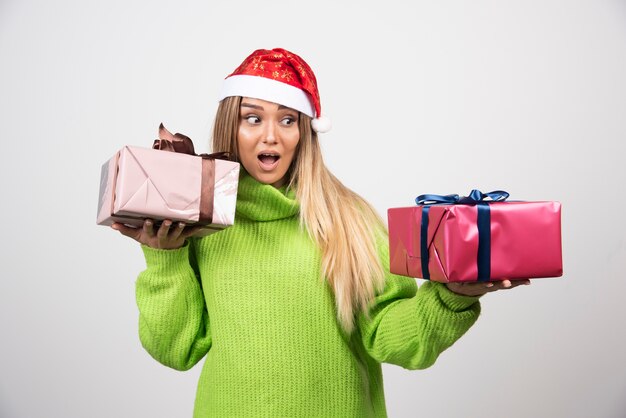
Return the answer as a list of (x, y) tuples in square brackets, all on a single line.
[(269, 134)]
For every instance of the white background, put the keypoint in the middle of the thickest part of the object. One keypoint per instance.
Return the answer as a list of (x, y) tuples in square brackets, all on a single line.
[(425, 96)]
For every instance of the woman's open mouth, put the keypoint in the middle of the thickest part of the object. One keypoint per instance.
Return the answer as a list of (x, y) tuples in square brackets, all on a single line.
[(268, 161)]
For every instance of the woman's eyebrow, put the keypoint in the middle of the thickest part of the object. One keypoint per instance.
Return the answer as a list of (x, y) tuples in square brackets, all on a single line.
[(252, 106)]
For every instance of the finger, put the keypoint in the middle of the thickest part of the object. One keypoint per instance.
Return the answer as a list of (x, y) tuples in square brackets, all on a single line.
[(164, 230), (126, 230), (177, 231), (469, 288), (148, 228), (499, 285), (508, 284), (521, 282), (191, 230)]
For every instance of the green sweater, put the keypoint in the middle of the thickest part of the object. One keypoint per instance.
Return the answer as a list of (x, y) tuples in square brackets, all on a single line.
[(251, 300)]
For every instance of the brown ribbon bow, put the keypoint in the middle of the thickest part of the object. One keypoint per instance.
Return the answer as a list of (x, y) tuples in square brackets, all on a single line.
[(183, 144)]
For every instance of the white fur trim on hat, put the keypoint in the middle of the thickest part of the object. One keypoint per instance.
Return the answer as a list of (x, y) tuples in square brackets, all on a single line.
[(321, 124), (263, 88)]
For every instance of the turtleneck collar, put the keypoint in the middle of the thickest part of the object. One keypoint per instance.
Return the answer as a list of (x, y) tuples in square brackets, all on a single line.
[(263, 202)]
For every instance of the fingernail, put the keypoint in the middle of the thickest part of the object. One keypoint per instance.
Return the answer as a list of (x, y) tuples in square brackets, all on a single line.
[(181, 224), (506, 284), (489, 284), (149, 223)]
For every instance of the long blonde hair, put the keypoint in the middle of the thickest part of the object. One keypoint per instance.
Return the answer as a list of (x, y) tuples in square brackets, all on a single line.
[(345, 227)]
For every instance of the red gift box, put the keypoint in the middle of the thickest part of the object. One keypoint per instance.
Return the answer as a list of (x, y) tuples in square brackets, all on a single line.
[(476, 241)]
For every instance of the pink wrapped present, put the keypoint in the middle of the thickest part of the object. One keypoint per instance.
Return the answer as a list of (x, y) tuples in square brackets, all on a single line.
[(138, 183), (465, 239)]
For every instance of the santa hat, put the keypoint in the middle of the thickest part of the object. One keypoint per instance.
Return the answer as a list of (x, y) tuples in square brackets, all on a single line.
[(278, 76)]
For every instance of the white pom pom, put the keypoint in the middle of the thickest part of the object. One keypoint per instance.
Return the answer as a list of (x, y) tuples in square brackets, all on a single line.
[(321, 124)]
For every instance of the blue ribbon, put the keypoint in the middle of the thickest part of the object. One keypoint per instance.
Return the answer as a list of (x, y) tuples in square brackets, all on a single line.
[(483, 258), (483, 223), (474, 197), (424, 242)]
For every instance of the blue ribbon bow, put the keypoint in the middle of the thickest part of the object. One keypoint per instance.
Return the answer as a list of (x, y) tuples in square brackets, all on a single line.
[(474, 197), (483, 222)]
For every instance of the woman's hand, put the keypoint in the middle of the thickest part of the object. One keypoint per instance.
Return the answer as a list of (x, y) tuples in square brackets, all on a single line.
[(167, 237), (480, 288)]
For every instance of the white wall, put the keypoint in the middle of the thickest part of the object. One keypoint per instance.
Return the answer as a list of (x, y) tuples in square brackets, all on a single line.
[(426, 97)]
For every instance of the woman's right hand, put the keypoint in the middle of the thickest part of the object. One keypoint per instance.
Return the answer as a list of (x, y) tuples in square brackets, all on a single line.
[(166, 237)]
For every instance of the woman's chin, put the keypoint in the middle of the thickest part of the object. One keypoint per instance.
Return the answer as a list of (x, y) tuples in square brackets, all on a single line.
[(269, 178)]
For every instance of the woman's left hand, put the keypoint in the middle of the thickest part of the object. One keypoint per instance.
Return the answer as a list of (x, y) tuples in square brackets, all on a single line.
[(480, 288)]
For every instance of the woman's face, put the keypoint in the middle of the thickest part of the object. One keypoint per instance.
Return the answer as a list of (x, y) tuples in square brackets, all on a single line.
[(267, 138)]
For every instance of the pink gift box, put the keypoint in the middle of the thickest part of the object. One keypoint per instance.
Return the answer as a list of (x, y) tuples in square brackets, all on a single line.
[(138, 183), (524, 241)]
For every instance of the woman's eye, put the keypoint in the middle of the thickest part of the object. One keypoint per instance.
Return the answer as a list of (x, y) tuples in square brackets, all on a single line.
[(253, 119), (288, 121)]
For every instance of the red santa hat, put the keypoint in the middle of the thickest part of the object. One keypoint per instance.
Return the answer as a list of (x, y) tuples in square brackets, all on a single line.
[(278, 76)]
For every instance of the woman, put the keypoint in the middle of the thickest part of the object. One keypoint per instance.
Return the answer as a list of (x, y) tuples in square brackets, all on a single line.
[(293, 306)]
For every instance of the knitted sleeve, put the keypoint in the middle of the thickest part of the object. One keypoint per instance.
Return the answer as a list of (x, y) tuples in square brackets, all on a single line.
[(173, 320), (410, 327)]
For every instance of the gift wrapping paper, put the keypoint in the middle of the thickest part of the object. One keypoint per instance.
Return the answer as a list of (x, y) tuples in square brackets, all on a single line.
[(138, 183), (521, 240)]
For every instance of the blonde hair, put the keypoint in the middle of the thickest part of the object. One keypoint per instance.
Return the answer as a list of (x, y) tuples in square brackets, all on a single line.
[(345, 227)]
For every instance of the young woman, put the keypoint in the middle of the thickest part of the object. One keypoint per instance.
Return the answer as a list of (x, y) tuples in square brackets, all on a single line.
[(293, 307)]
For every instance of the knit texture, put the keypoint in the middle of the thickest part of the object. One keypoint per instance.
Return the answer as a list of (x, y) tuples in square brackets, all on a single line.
[(250, 299)]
